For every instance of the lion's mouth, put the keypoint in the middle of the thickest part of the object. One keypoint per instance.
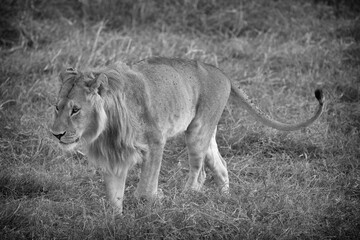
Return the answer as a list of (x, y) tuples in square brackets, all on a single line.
[(68, 143)]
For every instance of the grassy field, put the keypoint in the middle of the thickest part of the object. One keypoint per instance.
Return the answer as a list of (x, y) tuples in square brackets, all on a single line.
[(284, 185)]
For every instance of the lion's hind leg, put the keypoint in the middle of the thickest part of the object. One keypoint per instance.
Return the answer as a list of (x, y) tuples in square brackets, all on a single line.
[(197, 173), (203, 151), (217, 164), (197, 141)]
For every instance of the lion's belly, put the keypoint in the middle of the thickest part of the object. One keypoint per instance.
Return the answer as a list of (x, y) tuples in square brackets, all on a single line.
[(174, 114), (177, 123)]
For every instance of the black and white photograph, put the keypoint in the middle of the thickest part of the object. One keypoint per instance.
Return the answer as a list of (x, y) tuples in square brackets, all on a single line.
[(180, 119)]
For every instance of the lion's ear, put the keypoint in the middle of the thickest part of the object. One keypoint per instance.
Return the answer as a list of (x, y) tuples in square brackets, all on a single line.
[(68, 73), (100, 84)]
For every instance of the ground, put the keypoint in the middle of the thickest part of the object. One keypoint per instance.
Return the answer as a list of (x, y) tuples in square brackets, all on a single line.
[(283, 185)]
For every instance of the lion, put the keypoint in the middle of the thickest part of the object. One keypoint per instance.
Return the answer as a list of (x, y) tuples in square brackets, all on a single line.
[(122, 115)]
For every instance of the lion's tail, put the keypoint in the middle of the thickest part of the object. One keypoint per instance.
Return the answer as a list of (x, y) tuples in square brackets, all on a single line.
[(242, 99)]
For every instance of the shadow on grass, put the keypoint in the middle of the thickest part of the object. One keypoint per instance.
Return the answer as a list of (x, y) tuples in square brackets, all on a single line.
[(269, 146), (13, 223), (25, 186)]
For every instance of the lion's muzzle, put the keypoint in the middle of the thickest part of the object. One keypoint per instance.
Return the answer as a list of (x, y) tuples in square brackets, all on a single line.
[(63, 139), (58, 135)]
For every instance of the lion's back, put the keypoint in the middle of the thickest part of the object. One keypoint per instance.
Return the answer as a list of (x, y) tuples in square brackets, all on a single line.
[(173, 75)]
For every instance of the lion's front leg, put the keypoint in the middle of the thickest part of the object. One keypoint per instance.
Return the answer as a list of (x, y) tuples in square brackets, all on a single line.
[(150, 170), (115, 187)]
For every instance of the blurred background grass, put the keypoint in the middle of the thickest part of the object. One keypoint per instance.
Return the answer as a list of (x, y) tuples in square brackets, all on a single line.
[(299, 185)]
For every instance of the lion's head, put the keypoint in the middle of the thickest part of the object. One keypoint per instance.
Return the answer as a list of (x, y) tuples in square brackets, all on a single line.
[(92, 109), (79, 111)]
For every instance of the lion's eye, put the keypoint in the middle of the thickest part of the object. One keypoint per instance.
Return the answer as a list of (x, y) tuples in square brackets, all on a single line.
[(57, 108), (75, 110)]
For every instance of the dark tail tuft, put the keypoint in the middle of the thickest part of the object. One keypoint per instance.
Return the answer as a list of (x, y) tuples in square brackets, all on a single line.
[(319, 96)]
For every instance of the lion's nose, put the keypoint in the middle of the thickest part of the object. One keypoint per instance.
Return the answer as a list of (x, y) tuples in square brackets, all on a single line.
[(59, 135)]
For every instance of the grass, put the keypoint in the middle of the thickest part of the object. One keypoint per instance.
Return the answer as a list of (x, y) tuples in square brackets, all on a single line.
[(297, 185)]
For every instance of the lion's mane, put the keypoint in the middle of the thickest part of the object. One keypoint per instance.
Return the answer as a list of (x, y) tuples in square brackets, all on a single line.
[(119, 144)]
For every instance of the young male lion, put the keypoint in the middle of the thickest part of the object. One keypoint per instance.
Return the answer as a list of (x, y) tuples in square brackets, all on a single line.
[(123, 114)]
